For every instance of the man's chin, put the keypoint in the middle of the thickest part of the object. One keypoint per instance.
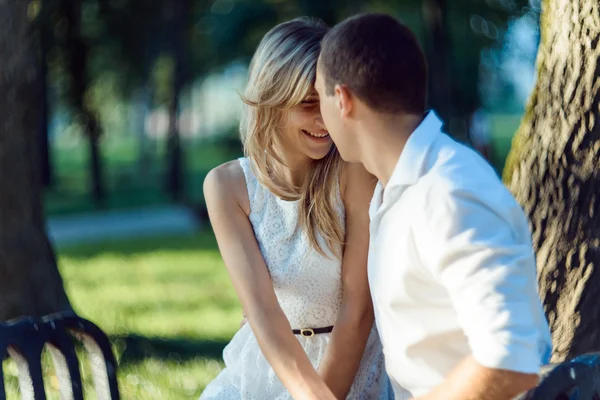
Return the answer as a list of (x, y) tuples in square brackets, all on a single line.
[(346, 157)]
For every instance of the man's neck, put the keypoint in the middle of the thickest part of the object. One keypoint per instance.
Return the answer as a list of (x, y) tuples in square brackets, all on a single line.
[(383, 140)]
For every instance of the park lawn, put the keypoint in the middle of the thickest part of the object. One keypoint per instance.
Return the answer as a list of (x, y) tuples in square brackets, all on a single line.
[(167, 305)]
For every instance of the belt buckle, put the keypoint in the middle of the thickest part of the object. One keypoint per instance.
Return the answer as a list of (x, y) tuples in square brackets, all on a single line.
[(307, 332)]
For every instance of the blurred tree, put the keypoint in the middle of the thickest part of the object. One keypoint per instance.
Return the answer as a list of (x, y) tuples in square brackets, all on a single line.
[(68, 50), (29, 280), (77, 50), (179, 15), (44, 139), (453, 34), (467, 27), (130, 40), (554, 171), (437, 50)]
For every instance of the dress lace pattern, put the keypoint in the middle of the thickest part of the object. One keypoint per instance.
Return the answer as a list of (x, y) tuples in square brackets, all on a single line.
[(309, 289)]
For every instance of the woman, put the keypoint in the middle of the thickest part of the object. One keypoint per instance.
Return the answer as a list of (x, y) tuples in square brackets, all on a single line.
[(291, 220)]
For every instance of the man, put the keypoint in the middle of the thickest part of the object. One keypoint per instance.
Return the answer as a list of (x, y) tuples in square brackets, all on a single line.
[(451, 265)]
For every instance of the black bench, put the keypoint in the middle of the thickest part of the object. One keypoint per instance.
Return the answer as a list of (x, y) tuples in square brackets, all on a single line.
[(24, 339), (577, 379)]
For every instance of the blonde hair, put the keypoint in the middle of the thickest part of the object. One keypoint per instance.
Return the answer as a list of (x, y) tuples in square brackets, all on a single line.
[(282, 74)]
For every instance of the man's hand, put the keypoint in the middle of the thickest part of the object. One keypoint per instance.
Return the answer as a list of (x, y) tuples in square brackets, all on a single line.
[(472, 381)]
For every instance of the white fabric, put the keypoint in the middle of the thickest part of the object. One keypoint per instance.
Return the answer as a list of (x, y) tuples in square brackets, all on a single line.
[(309, 289), (451, 267)]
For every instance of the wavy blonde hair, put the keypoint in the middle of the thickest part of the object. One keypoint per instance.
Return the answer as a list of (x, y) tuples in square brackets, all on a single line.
[(282, 74)]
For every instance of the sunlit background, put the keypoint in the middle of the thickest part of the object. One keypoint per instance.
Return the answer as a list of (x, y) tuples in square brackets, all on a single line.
[(142, 101)]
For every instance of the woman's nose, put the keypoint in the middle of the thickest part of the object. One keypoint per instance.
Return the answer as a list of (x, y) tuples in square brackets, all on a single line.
[(319, 121)]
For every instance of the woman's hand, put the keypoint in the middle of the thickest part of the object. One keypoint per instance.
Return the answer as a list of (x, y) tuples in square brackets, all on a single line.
[(354, 324)]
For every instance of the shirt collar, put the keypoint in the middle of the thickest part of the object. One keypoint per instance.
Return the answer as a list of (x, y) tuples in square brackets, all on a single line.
[(409, 167)]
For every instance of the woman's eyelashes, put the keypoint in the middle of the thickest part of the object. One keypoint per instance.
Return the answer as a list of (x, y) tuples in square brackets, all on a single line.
[(309, 103)]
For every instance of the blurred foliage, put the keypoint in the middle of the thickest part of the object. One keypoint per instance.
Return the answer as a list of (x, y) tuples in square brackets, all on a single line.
[(105, 56), (129, 39)]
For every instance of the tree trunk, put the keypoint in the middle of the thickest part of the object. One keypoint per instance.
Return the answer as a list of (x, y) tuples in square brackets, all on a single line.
[(29, 280), (437, 50), (78, 58), (142, 101), (174, 156), (554, 171), (44, 139), (93, 132), (179, 24)]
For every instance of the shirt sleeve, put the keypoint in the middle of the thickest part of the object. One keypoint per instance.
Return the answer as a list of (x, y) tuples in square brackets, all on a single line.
[(480, 251)]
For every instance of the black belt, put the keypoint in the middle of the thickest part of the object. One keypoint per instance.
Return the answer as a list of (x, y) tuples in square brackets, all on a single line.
[(310, 332)]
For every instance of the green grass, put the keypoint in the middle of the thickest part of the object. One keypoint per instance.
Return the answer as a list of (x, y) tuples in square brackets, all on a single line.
[(166, 303)]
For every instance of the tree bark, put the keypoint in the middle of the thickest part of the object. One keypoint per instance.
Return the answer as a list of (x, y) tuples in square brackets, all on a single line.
[(554, 172), (29, 280)]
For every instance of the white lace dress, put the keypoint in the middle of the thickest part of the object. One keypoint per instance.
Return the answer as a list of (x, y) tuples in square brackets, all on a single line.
[(308, 287)]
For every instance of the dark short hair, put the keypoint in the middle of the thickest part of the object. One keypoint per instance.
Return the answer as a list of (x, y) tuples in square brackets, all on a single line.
[(379, 59)]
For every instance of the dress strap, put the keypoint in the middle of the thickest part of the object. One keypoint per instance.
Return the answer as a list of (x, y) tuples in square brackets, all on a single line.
[(252, 184)]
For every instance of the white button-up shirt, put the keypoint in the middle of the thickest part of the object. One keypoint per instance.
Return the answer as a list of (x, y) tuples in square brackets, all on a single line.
[(451, 267)]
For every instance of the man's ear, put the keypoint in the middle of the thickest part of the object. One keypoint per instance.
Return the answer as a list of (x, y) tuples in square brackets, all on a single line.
[(344, 99)]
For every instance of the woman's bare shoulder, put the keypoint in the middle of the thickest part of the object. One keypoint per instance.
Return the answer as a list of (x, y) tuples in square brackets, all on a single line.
[(227, 183)]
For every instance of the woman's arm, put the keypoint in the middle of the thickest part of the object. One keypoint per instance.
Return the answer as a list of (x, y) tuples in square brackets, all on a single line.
[(355, 321), (226, 198)]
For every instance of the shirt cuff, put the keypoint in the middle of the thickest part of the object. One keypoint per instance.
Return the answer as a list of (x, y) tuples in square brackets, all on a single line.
[(512, 356)]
